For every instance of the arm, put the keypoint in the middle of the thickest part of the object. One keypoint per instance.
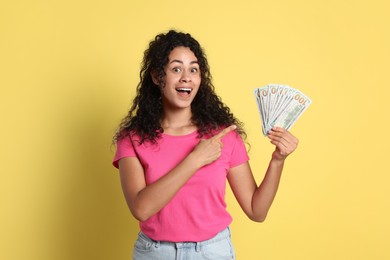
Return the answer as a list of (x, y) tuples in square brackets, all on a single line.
[(256, 201), (146, 200)]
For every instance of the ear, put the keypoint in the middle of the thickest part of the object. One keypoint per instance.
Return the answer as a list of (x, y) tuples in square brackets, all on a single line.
[(155, 80)]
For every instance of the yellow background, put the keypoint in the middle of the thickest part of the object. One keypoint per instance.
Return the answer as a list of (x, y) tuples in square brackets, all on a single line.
[(68, 73)]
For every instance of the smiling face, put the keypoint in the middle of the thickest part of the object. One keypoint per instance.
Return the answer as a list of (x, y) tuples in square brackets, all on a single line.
[(182, 79)]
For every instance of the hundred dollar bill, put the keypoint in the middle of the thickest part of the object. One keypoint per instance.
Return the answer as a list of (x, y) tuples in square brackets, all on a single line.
[(292, 112), (280, 105), (261, 100)]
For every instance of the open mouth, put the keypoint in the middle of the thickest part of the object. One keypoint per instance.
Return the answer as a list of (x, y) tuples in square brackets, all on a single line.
[(184, 90)]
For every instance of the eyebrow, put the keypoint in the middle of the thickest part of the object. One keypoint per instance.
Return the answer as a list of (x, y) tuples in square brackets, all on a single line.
[(179, 61)]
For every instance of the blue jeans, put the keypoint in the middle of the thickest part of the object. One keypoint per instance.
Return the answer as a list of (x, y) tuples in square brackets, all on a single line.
[(217, 248)]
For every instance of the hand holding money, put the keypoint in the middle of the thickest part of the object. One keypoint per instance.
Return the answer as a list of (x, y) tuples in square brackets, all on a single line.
[(280, 106), (284, 141)]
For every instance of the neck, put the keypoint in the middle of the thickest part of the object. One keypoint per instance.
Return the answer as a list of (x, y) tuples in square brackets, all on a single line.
[(176, 118), (177, 122)]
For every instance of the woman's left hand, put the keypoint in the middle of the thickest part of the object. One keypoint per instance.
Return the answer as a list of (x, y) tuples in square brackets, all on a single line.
[(284, 141)]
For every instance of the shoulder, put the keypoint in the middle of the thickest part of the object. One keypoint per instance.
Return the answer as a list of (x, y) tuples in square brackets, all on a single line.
[(233, 136)]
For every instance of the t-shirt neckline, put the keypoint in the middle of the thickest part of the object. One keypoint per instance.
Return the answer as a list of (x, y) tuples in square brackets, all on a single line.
[(180, 136)]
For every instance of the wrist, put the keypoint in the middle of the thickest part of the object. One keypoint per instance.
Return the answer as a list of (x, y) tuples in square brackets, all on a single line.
[(193, 160), (278, 159), (278, 155)]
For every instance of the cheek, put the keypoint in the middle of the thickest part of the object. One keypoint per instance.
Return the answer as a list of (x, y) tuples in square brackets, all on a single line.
[(197, 89), (198, 80)]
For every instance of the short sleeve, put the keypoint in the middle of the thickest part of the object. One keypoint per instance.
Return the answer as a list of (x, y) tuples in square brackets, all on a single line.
[(124, 148), (239, 154)]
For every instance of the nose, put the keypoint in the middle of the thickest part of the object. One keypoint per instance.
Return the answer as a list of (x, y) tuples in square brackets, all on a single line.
[(185, 76)]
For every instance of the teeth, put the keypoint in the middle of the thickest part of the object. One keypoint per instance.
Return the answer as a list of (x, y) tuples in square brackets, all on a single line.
[(188, 90)]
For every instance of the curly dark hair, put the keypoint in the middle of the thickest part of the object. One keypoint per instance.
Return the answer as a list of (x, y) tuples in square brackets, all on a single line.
[(209, 113)]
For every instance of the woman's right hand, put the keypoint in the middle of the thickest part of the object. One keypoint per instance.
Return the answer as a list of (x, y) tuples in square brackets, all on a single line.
[(209, 150)]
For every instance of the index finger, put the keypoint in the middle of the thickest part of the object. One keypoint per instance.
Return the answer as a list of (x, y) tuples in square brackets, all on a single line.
[(224, 132)]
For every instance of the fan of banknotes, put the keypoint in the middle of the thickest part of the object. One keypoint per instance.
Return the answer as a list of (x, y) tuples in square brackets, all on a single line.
[(280, 105)]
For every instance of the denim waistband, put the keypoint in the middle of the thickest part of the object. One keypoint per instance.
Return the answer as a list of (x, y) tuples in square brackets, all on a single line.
[(220, 236)]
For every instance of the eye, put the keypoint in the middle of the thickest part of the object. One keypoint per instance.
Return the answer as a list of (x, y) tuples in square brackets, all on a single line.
[(194, 70), (176, 69)]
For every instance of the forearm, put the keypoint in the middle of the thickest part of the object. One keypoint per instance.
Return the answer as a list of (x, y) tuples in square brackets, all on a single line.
[(256, 201), (155, 196), (265, 193)]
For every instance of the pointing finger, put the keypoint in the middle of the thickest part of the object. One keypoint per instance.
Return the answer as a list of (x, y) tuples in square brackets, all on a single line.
[(224, 132)]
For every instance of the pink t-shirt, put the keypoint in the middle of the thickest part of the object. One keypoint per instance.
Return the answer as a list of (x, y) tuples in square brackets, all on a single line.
[(198, 211)]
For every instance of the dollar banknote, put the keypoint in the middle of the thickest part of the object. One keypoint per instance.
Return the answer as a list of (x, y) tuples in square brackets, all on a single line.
[(280, 105)]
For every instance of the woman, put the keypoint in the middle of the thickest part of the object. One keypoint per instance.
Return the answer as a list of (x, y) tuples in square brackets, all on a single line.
[(176, 148)]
